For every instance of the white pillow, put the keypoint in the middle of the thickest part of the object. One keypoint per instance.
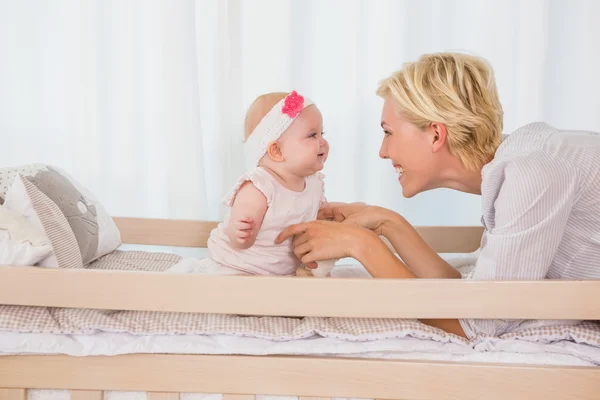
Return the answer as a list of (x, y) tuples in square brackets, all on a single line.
[(20, 242), (79, 228)]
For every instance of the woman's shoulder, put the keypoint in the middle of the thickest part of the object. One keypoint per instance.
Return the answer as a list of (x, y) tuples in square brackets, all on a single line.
[(536, 145), (519, 154), (541, 136), (540, 143), (525, 139), (536, 156)]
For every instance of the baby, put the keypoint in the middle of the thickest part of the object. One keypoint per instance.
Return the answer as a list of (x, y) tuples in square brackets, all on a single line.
[(285, 152)]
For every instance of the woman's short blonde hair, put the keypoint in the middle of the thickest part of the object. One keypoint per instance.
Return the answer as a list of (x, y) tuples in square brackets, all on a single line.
[(458, 90)]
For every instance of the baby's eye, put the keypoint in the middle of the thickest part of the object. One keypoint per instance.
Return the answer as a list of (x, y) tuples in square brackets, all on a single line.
[(313, 135), (387, 133)]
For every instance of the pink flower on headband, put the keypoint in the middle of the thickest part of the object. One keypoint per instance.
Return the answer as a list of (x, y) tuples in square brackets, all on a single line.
[(294, 103)]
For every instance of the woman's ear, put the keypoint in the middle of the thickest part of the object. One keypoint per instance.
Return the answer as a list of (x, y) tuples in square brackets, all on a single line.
[(274, 152), (439, 135)]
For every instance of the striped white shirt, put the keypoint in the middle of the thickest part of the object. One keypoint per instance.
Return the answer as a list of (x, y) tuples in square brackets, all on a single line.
[(541, 213)]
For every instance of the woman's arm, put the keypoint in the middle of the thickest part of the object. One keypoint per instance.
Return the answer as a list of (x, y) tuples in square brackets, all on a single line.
[(377, 258), (326, 240), (421, 259), (381, 263), (322, 240)]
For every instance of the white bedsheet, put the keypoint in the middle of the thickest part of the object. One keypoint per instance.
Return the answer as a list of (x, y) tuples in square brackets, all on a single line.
[(108, 344)]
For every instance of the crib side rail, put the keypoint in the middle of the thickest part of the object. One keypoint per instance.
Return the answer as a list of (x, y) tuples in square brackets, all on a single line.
[(291, 296), (164, 232), (243, 376), (187, 233)]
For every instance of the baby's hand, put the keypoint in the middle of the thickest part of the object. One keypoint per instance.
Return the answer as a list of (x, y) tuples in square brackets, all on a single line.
[(243, 229)]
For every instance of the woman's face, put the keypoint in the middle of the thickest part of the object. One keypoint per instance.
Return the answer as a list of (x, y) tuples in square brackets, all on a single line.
[(410, 149)]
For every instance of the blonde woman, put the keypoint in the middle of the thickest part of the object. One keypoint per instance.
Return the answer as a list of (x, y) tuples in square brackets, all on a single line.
[(540, 187)]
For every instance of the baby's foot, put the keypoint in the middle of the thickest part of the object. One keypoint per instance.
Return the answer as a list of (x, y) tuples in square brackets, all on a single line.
[(303, 271)]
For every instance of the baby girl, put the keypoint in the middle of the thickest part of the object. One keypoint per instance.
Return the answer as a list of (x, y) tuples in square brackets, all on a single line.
[(285, 152)]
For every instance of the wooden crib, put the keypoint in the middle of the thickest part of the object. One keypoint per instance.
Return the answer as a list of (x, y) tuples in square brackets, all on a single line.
[(164, 376)]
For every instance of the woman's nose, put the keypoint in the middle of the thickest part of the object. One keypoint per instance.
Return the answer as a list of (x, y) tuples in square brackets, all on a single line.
[(383, 150)]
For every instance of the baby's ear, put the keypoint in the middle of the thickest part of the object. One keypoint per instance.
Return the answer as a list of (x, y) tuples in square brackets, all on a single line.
[(274, 152)]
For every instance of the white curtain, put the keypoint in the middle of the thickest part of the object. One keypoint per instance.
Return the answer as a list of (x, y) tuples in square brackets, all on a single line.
[(143, 101)]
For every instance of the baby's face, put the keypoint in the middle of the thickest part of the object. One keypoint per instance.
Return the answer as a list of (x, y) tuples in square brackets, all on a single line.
[(303, 146)]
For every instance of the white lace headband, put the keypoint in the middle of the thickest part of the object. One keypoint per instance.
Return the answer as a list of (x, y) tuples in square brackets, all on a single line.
[(272, 126)]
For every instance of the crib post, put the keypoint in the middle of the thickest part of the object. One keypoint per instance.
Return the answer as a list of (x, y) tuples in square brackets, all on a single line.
[(87, 395), (13, 394), (162, 396)]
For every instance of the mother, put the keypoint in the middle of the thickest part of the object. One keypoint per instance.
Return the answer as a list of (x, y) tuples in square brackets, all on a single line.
[(540, 186)]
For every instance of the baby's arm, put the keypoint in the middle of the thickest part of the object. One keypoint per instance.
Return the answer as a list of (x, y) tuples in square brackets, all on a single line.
[(247, 213)]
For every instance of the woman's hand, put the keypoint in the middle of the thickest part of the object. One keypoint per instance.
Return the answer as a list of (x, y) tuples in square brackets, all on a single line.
[(324, 240), (365, 216)]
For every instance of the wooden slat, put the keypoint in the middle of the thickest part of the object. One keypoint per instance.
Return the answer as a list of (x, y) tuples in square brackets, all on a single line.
[(461, 239), (88, 395), (451, 239), (302, 376), (313, 398), (12, 394), (348, 297), (164, 232), (239, 397), (163, 396)]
